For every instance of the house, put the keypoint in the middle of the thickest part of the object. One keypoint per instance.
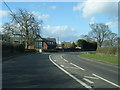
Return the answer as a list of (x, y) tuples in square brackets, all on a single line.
[(44, 43), (66, 44), (59, 46), (49, 43)]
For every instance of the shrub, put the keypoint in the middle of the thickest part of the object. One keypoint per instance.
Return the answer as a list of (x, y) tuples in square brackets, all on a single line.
[(85, 45), (12, 48), (108, 50)]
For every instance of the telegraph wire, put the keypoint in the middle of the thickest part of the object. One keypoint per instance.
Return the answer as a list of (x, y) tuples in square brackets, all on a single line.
[(12, 13), (7, 6)]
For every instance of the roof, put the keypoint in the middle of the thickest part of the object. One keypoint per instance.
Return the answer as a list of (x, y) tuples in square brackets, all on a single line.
[(38, 38), (50, 39), (47, 40)]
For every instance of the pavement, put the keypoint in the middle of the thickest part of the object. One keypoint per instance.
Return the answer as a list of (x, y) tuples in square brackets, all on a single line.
[(58, 70)]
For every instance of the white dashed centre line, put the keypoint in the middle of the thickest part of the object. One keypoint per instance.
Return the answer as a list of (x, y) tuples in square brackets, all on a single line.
[(88, 80), (72, 76), (63, 58), (91, 77), (72, 63), (62, 65), (85, 77), (77, 66)]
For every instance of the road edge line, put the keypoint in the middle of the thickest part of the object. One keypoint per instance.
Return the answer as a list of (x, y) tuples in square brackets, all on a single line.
[(76, 79)]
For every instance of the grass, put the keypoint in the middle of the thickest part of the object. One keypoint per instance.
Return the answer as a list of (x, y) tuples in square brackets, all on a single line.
[(112, 59)]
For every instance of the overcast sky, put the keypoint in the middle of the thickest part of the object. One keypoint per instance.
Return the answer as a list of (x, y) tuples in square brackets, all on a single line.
[(67, 20)]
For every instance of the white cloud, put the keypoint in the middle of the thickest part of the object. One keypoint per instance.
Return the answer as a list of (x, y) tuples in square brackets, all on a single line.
[(44, 17), (64, 33), (1, 29), (34, 13), (3, 13), (53, 7), (112, 24), (92, 20), (78, 7), (91, 7), (109, 23)]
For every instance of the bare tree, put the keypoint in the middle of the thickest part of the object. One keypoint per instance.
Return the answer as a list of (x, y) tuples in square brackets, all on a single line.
[(118, 41), (28, 26), (10, 29), (112, 38), (99, 32), (87, 38)]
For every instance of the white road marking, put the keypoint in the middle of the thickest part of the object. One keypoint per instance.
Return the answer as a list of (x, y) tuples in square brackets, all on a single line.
[(77, 66), (62, 65), (106, 80), (63, 58), (72, 67), (88, 80), (72, 76), (68, 67), (91, 77)]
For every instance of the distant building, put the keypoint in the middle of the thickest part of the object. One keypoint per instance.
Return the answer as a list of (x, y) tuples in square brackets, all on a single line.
[(78, 47), (59, 46), (66, 44), (40, 43), (44, 43)]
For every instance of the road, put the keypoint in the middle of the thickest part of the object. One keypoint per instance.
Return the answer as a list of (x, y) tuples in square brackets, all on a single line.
[(58, 70)]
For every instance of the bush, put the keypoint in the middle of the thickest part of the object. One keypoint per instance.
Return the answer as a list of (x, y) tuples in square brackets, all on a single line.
[(29, 50), (85, 45), (50, 50), (109, 50), (12, 48)]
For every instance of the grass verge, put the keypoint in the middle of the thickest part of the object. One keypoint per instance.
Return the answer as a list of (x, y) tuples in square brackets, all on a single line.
[(106, 58)]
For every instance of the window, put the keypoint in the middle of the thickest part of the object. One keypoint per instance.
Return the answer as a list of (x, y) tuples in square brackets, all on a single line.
[(38, 45)]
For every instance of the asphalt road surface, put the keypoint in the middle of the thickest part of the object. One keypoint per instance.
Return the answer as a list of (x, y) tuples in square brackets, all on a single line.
[(57, 70)]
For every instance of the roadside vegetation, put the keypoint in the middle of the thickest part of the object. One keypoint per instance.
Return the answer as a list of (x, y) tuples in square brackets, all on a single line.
[(12, 49), (19, 33), (107, 49), (104, 54), (23, 28)]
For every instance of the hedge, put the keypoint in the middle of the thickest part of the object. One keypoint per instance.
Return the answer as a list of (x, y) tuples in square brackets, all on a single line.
[(109, 50), (10, 47)]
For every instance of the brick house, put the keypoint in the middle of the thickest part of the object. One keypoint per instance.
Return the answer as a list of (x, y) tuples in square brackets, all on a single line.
[(44, 43)]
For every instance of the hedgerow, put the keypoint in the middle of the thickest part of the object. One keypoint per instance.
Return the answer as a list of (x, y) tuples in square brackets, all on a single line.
[(109, 50)]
